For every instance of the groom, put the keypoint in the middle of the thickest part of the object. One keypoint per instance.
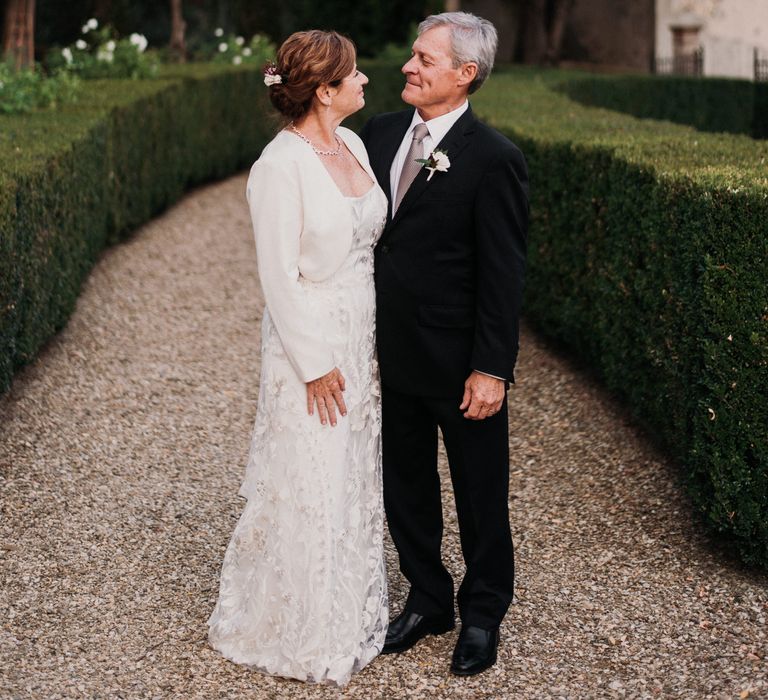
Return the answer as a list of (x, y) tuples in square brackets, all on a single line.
[(449, 282)]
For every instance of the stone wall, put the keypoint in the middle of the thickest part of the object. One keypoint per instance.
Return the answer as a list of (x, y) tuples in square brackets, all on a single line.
[(731, 31)]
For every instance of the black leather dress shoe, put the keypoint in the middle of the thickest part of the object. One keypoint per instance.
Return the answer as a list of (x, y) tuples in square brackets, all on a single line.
[(408, 628), (475, 650)]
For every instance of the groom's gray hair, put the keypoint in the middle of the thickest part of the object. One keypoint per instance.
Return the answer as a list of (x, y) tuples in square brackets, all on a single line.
[(473, 40)]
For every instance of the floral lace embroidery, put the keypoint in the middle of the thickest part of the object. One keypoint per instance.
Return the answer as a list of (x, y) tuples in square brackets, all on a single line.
[(303, 587)]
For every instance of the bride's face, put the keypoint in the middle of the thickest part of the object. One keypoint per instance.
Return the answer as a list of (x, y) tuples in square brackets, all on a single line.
[(350, 97)]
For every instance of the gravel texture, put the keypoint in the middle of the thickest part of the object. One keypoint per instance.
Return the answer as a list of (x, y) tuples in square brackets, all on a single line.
[(122, 448)]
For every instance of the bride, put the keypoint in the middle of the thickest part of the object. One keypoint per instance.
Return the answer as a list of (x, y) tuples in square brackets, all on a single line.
[(303, 588)]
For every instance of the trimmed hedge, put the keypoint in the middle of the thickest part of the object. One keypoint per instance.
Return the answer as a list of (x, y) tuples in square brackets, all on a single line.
[(760, 124), (649, 258), (84, 176), (648, 248), (708, 104)]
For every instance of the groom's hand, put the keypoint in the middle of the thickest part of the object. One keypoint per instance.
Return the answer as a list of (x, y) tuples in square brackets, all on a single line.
[(483, 396)]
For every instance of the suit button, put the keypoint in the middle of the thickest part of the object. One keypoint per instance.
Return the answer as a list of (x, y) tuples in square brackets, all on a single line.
[(385, 249)]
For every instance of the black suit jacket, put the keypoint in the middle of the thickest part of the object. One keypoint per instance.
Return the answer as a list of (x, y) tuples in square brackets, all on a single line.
[(450, 265)]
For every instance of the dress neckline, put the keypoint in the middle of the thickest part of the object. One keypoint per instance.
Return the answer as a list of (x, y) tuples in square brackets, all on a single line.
[(320, 163), (360, 196)]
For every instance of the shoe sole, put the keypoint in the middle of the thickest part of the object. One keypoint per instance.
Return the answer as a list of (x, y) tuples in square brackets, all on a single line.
[(434, 631)]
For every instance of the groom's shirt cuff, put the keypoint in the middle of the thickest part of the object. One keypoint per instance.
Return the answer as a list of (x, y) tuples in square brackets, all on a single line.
[(490, 375)]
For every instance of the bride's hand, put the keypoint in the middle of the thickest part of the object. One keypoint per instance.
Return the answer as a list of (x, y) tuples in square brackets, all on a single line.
[(326, 391)]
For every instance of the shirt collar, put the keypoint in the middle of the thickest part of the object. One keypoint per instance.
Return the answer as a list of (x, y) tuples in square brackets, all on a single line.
[(439, 126)]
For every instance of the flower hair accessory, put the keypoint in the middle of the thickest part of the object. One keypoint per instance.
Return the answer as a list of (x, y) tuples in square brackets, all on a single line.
[(438, 161), (271, 76)]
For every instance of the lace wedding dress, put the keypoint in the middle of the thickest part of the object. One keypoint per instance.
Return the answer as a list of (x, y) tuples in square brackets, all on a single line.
[(303, 587)]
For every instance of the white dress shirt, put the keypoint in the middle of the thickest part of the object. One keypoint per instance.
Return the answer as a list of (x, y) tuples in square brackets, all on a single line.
[(438, 128)]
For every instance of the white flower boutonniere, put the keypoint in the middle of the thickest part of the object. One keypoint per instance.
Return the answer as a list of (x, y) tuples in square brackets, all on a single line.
[(438, 160)]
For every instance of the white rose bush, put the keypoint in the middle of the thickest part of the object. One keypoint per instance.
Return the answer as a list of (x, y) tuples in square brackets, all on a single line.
[(100, 53), (236, 51)]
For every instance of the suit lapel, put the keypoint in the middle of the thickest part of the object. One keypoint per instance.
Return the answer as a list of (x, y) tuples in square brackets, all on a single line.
[(381, 161), (453, 143)]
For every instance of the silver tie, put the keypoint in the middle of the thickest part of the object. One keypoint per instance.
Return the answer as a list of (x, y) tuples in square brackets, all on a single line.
[(410, 166)]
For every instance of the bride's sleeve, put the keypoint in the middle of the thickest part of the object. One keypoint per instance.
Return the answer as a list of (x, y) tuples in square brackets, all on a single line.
[(277, 215)]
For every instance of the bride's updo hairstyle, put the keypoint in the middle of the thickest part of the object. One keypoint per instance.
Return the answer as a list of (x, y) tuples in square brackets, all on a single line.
[(305, 61)]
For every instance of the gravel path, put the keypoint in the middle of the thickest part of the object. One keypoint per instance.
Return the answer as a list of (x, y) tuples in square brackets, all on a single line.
[(122, 449)]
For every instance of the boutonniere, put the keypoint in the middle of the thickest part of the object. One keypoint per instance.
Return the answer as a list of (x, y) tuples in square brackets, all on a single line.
[(438, 160)]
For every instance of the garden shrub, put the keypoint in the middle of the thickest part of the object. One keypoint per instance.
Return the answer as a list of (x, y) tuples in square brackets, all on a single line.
[(648, 252), (237, 51), (24, 90), (760, 119), (709, 104), (649, 258), (86, 175), (101, 53)]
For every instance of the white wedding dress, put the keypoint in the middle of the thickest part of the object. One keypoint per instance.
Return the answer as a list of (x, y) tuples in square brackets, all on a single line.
[(303, 588)]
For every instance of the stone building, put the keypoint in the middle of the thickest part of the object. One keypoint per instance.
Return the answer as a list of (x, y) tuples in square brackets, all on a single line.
[(711, 37), (730, 34)]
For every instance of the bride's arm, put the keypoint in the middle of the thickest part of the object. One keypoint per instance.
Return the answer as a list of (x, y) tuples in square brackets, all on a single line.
[(277, 216)]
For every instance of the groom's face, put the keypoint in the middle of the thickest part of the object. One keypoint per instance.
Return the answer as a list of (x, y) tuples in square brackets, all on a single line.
[(431, 81)]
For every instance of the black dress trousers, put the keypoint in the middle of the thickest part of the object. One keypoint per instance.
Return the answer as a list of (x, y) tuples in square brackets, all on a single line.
[(478, 456)]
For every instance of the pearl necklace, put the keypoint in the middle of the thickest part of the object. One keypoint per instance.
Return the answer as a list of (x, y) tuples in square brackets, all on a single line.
[(317, 150)]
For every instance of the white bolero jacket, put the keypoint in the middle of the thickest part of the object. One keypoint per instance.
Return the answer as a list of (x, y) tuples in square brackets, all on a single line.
[(303, 228)]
